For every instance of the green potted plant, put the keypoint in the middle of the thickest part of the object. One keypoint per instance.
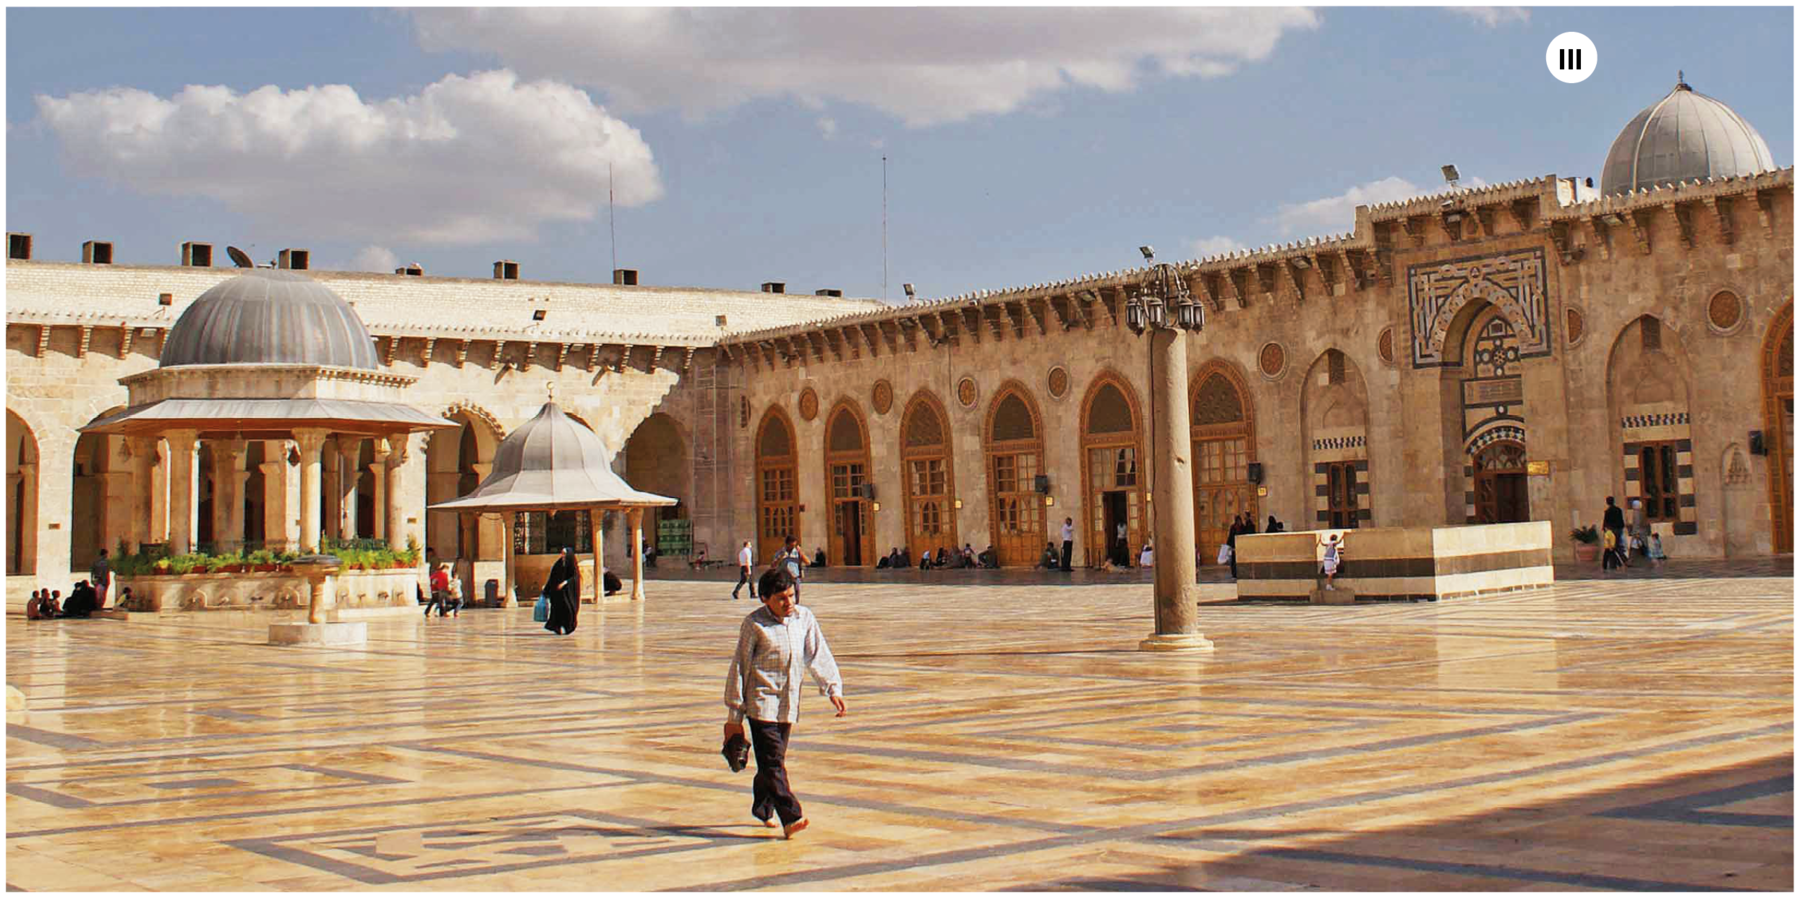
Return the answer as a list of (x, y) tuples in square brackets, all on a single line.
[(261, 560), (1587, 543)]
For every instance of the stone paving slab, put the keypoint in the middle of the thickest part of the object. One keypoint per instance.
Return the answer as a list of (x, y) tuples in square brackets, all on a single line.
[(1630, 733)]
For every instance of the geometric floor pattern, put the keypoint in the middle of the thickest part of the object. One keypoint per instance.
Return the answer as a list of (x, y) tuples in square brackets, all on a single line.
[(1600, 734)]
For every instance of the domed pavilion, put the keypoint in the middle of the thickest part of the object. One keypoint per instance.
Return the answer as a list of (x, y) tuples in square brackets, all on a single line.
[(268, 355), (1685, 136), (555, 463)]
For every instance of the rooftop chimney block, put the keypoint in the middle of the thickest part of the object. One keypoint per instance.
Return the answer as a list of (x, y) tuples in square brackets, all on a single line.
[(294, 259), (506, 270), (828, 292), (18, 246), (414, 270), (97, 252), (625, 277), (774, 287), (196, 255)]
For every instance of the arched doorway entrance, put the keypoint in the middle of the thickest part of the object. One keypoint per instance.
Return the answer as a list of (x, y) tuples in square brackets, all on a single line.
[(1778, 425), (656, 461), (1334, 404), (929, 476), (21, 496), (1111, 445), (777, 503), (456, 461), (1224, 435), (1500, 486), (1647, 394), (1015, 457), (846, 473)]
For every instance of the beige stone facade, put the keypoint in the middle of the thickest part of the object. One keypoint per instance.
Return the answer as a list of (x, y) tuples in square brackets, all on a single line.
[(1523, 349)]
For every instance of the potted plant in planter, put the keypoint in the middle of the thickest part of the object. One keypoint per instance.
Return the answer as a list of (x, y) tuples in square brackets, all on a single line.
[(262, 561), (1587, 543)]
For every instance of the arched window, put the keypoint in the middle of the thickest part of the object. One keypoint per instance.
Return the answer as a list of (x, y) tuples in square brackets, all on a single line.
[(846, 473), (1015, 456)]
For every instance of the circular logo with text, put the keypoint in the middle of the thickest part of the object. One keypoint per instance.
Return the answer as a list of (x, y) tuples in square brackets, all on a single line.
[(1571, 57)]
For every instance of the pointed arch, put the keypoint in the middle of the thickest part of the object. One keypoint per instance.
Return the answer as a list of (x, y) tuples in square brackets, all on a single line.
[(456, 461), (1334, 416), (1647, 389), (1112, 446), (852, 538), (928, 474), (21, 496), (777, 482), (1014, 444), (99, 494), (1222, 425), (658, 459), (1778, 425)]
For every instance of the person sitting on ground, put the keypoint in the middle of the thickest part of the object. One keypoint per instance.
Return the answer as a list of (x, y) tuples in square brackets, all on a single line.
[(941, 559), (34, 608), (124, 602), (1147, 558), (1050, 560), (610, 583), (819, 557), (990, 559), (905, 558), (925, 560), (1274, 526), (53, 604), (1656, 549), (81, 601), (884, 562)]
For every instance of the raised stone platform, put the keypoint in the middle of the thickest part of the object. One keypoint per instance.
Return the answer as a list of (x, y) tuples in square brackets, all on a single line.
[(1397, 563)]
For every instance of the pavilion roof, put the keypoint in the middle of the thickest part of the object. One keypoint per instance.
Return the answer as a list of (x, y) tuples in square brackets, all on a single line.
[(552, 462)]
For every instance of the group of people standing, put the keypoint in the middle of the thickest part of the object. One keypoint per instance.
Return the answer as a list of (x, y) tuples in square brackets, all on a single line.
[(1243, 525), (1621, 540)]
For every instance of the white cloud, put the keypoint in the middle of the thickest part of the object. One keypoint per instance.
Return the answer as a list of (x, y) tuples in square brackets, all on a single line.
[(1337, 214), (923, 65), (1214, 246), (1493, 16), (827, 127), (467, 159), (375, 258)]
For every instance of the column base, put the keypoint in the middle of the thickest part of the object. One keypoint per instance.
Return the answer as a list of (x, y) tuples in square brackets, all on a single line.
[(1176, 642)]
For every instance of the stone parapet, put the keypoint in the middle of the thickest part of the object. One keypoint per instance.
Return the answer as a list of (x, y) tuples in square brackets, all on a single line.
[(393, 588)]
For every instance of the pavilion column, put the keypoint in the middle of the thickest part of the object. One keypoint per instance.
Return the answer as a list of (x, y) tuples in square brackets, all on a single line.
[(143, 456), (595, 516), (275, 493), (229, 469), (311, 442), (351, 450), (331, 502), (506, 584), (636, 516), (182, 444), (378, 478)]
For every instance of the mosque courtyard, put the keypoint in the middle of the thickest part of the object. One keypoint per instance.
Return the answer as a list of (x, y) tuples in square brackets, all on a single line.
[(1633, 733)]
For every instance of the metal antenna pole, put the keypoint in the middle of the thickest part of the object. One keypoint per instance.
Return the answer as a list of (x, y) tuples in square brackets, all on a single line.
[(610, 227), (884, 264)]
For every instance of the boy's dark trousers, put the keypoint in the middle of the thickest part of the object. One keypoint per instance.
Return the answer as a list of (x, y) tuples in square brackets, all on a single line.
[(770, 792)]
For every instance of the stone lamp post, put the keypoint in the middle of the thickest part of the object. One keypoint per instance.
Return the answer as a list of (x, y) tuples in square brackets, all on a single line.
[(1164, 310), (316, 631)]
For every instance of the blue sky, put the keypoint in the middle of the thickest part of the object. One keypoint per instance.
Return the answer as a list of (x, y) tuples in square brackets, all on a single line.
[(1023, 145)]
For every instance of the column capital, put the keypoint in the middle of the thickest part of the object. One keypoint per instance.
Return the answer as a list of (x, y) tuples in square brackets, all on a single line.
[(182, 440), (311, 440)]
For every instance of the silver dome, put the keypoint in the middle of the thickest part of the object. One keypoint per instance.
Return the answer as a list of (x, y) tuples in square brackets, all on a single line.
[(270, 316), (1685, 136)]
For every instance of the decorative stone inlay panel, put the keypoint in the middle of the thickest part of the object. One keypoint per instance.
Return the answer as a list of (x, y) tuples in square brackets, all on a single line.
[(1576, 325), (743, 412), (809, 404), (966, 392), (1725, 313), (882, 397), (1272, 360), (1384, 345), (1513, 282), (1058, 382)]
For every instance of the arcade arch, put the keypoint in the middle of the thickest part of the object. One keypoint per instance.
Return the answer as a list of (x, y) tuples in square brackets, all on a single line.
[(456, 461), (928, 474), (852, 541), (21, 496), (1647, 395), (1112, 442), (1014, 446), (1223, 424), (656, 461), (777, 489)]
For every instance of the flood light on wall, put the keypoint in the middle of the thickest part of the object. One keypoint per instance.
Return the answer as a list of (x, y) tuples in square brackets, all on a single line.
[(875, 505), (958, 504), (1049, 501)]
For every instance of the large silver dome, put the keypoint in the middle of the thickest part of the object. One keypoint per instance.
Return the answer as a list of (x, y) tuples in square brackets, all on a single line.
[(1685, 136), (270, 316)]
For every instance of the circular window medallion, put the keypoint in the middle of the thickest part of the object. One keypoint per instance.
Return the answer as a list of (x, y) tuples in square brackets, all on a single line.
[(1059, 382), (883, 397), (1725, 312), (809, 404), (965, 392), (1272, 360), (1577, 325), (1385, 345)]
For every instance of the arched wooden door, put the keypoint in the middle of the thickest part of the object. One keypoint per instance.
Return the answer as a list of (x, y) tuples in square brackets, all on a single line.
[(846, 472), (777, 502), (929, 476), (1500, 493), (1112, 443), (1015, 457), (1778, 425), (1224, 435)]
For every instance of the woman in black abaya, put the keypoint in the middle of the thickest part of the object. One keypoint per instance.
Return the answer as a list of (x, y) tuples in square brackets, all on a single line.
[(564, 589)]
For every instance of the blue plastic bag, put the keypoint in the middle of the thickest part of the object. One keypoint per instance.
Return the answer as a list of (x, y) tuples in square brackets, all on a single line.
[(541, 612)]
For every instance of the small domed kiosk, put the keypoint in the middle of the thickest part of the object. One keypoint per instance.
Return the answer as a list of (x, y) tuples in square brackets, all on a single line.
[(555, 463), (269, 355)]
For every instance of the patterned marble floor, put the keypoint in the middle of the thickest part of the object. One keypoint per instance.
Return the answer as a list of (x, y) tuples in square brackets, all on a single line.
[(1622, 734)]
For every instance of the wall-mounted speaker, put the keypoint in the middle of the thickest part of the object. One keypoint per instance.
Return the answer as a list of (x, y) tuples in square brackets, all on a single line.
[(1254, 472), (1043, 484), (1757, 445)]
